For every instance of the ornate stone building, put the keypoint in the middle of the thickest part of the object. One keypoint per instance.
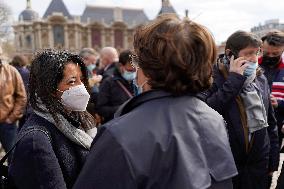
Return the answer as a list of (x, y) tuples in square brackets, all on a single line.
[(269, 25), (97, 27)]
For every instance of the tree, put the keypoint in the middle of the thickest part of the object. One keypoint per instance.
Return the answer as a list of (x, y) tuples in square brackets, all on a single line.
[(5, 13), (8, 48)]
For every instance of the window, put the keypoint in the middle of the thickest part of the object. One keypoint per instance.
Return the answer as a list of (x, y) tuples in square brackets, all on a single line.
[(58, 35), (118, 38), (96, 38), (28, 41)]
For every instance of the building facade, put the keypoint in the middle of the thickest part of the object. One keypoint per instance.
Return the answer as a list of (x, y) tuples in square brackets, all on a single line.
[(97, 27), (269, 25)]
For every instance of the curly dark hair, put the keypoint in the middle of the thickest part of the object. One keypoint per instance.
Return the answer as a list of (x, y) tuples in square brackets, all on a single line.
[(46, 73), (176, 55)]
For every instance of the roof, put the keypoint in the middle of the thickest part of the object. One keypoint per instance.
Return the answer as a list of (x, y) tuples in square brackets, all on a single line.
[(108, 15), (167, 10), (57, 6), (166, 7), (28, 15)]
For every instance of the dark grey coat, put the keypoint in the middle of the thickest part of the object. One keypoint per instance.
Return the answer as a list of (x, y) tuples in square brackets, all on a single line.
[(162, 142), (45, 160)]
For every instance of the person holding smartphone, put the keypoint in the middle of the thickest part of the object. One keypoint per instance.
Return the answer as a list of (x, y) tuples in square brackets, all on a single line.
[(240, 93)]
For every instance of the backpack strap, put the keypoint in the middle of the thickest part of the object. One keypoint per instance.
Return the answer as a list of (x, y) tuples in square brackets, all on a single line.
[(124, 89), (25, 133)]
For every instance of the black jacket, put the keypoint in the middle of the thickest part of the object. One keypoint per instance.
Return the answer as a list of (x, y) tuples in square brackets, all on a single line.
[(112, 95), (45, 160), (162, 142), (263, 154), (106, 73)]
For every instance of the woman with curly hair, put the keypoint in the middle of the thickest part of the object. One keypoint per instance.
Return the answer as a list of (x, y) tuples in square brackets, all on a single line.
[(166, 137), (60, 130)]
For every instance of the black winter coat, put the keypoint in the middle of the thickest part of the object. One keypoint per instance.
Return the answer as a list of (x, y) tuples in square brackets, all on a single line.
[(112, 95), (160, 142), (109, 72), (263, 154), (45, 160)]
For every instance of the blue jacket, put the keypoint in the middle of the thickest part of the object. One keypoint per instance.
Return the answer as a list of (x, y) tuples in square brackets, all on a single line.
[(261, 155), (45, 160), (162, 142), (275, 77), (25, 73)]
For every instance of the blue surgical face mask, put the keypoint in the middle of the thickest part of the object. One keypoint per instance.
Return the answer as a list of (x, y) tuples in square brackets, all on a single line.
[(91, 67), (251, 69), (139, 89), (129, 76)]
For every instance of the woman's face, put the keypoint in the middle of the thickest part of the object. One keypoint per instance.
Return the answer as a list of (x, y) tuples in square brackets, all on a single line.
[(72, 76)]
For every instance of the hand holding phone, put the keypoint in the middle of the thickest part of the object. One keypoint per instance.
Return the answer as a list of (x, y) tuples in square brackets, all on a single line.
[(237, 65)]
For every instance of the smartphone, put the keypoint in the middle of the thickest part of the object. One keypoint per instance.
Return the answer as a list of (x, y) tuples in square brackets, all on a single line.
[(231, 54)]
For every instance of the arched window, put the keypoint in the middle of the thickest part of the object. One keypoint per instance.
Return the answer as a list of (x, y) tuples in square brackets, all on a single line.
[(96, 38), (58, 35), (20, 42), (28, 41), (118, 38)]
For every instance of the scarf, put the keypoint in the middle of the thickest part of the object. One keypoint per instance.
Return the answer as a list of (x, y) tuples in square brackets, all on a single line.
[(254, 107), (73, 133)]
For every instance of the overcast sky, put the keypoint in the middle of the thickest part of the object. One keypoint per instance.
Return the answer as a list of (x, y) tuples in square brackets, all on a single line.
[(222, 17)]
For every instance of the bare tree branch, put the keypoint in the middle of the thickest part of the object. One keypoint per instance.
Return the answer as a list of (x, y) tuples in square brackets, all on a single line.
[(5, 13)]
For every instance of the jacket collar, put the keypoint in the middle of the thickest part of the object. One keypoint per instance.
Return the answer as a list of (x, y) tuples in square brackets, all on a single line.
[(141, 99)]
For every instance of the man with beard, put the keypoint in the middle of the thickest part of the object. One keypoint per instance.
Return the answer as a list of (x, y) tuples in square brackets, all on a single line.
[(273, 66)]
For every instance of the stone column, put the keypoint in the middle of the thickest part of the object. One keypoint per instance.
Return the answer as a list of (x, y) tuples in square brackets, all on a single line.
[(66, 37), (125, 39), (38, 33), (111, 37), (89, 35), (103, 38), (15, 41), (32, 34), (80, 38), (76, 37), (22, 34), (50, 36)]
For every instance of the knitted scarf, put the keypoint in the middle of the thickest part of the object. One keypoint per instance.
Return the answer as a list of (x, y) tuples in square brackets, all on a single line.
[(77, 135)]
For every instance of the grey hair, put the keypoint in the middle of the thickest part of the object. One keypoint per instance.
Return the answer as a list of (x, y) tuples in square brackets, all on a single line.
[(87, 52)]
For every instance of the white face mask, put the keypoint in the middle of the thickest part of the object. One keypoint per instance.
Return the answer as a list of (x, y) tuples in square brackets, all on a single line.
[(76, 98)]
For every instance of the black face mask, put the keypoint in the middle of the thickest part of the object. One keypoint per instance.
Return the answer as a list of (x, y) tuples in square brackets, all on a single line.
[(271, 61)]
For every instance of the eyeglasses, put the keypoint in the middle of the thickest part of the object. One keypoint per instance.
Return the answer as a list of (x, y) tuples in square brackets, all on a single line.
[(134, 61)]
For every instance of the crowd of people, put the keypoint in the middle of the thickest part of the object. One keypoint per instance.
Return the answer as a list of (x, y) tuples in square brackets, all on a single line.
[(170, 113)]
